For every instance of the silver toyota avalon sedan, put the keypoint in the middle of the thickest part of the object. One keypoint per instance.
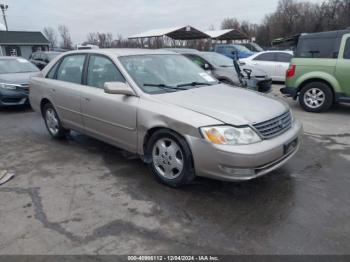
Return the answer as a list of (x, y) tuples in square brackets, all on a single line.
[(165, 108)]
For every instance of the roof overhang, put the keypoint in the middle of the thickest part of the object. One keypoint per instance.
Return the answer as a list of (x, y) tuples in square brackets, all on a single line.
[(226, 34), (176, 33)]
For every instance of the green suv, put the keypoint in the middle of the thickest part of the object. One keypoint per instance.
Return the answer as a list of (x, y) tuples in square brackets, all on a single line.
[(319, 73)]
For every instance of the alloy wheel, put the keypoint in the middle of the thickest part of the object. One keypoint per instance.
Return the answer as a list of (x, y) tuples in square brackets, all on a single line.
[(314, 97), (168, 159), (52, 121)]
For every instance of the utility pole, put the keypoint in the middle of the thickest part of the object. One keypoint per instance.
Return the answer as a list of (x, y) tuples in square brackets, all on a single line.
[(3, 9)]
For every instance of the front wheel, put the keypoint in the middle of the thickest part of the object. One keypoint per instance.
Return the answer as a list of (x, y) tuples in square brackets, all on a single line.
[(316, 97), (53, 123), (171, 158)]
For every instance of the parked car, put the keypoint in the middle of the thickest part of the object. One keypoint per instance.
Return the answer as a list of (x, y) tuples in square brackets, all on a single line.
[(233, 51), (274, 63), (254, 47), (223, 69), (42, 58), (162, 106), (15, 73), (319, 73), (86, 47)]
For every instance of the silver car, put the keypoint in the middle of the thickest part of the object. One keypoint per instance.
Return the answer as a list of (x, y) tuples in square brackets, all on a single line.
[(165, 108), (15, 73)]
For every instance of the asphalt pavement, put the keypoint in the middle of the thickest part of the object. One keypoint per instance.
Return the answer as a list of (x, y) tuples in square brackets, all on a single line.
[(82, 196)]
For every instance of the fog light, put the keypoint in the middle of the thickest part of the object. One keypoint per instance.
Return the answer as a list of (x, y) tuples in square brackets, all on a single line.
[(237, 171)]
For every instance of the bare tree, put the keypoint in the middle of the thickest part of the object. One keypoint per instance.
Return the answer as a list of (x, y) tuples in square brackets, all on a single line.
[(230, 23), (103, 40), (66, 41), (51, 36)]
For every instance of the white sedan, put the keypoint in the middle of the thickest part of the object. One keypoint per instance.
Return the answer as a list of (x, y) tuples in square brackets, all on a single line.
[(274, 63)]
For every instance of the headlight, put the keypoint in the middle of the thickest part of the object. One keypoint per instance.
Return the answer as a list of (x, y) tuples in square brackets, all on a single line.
[(229, 135), (7, 86)]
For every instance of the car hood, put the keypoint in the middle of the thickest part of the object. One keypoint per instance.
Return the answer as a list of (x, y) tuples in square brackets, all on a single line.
[(230, 105), (17, 78)]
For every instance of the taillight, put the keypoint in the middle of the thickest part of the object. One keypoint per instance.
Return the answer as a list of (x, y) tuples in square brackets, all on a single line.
[(291, 71)]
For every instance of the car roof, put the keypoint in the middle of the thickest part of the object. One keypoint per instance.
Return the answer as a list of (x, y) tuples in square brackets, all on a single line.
[(327, 34), (228, 45), (182, 50), (11, 57), (276, 51), (123, 51)]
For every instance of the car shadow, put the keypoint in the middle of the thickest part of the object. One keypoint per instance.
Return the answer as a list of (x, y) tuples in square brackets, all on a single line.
[(262, 200), (15, 109)]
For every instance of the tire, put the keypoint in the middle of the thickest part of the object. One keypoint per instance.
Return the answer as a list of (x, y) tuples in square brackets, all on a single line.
[(316, 97), (53, 123), (170, 158)]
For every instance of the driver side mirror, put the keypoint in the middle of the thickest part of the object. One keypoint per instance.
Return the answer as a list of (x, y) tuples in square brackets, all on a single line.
[(206, 66), (118, 88)]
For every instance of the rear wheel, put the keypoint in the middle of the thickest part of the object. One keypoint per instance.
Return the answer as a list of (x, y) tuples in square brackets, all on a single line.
[(171, 158), (53, 123), (316, 97)]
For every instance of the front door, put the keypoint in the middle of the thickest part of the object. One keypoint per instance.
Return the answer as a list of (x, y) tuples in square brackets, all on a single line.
[(110, 117), (343, 66)]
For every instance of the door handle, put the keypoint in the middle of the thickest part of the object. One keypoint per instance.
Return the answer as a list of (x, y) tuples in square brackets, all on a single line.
[(53, 89), (87, 99)]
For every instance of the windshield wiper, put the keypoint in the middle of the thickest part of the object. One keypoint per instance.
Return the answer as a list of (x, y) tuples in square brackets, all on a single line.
[(165, 87), (195, 84)]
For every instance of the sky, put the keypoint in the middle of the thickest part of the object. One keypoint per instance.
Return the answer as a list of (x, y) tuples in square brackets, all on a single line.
[(129, 17)]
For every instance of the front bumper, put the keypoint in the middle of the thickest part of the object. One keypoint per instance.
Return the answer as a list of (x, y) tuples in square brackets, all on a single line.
[(13, 98), (244, 162)]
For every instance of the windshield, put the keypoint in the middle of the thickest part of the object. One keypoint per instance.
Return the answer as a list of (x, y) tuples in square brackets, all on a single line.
[(257, 47), (156, 74), (242, 48), (19, 65), (52, 55), (217, 59)]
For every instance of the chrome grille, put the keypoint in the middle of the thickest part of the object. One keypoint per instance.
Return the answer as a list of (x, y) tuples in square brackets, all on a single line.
[(274, 126)]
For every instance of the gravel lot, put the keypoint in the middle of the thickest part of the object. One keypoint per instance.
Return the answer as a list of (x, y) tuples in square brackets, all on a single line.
[(81, 196)]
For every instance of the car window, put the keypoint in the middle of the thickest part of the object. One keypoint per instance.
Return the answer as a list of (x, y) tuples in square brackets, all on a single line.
[(101, 70), (347, 49), (52, 71), (265, 57), (283, 57), (196, 59), (71, 69), (317, 48)]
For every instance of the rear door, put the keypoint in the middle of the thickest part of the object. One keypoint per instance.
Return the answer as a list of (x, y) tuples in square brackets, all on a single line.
[(266, 62), (282, 63), (110, 117), (343, 66), (64, 82)]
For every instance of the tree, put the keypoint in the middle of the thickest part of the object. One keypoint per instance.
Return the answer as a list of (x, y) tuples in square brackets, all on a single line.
[(66, 41), (51, 35), (103, 40), (230, 23)]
